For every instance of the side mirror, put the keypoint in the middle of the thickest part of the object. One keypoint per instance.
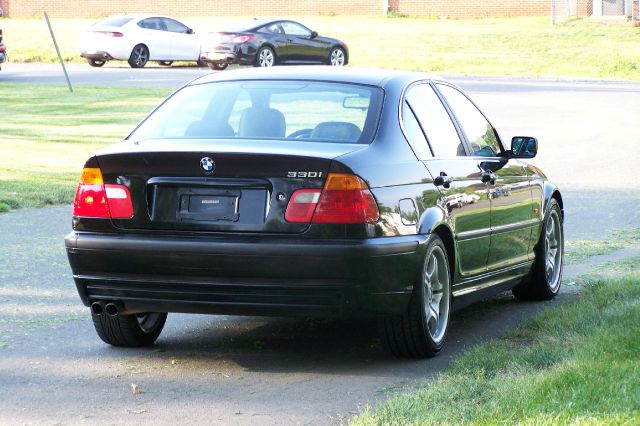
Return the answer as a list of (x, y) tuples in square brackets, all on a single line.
[(189, 31), (524, 147), (314, 34)]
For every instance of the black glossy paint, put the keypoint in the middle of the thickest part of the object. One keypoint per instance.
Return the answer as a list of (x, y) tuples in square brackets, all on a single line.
[(288, 48), (265, 265)]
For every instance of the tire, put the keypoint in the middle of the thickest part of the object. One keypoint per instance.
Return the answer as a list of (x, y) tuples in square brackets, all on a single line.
[(96, 62), (265, 57), (139, 56), (201, 64), (218, 66), (414, 334), (165, 63), (545, 278), (129, 330), (337, 57)]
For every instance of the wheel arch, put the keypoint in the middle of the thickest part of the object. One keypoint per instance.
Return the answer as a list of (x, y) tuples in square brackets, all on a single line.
[(270, 46), (433, 221), (446, 235), (552, 191), (142, 44)]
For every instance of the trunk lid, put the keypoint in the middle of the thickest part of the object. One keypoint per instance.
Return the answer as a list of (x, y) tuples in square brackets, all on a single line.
[(222, 186), (227, 42)]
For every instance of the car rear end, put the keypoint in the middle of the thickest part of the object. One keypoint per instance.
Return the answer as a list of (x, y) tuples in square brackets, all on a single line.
[(236, 47), (251, 222), (107, 39)]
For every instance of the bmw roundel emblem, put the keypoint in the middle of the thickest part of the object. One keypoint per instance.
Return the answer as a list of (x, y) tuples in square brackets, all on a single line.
[(207, 165)]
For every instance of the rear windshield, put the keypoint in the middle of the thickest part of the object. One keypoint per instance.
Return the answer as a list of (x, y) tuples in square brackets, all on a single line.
[(305, 111), (114, 21)]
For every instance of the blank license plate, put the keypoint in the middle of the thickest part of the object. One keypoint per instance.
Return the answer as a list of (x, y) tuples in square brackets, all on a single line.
[(212, 207)]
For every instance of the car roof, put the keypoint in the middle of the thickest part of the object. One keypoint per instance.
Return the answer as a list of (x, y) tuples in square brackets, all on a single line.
[(252, 24), (369, 76), (138, 16)]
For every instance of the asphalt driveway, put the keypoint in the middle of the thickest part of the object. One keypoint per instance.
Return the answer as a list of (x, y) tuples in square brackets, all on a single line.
[(214, 369)]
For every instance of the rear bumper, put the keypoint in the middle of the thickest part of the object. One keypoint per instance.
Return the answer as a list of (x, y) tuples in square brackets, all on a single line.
[(97, 55), (243, 54), (246, 276), (218, 57)]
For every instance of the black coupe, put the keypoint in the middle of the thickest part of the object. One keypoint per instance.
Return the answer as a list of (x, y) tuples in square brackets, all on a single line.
[(268, 43), (313, 192)]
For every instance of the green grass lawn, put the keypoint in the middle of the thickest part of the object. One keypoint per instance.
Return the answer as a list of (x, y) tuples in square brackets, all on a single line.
[(48, 133), (617, 239), (514, 46), (578, 363)]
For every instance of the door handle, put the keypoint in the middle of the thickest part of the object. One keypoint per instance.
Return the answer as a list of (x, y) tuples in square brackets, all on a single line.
[(489, 177), (443, 180)]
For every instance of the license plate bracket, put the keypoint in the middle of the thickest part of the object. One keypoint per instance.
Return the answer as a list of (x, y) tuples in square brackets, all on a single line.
[(209, 206)]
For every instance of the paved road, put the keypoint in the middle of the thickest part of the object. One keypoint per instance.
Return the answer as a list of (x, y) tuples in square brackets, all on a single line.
[(276, 371), (222, 369), (109, 75), (120, 75)]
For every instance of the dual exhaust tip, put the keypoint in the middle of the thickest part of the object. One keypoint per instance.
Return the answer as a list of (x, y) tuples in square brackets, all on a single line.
[(106, 308)]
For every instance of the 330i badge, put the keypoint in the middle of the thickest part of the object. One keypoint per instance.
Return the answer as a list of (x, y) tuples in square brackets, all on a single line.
[(313, 192)]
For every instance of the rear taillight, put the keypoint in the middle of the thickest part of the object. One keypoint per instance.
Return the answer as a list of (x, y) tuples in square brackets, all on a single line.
[(241, 39), (95, 199), (302, 205), (111, 33), (344, 199)]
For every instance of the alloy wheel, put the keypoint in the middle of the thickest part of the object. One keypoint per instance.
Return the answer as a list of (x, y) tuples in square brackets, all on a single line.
[(436, 294), (140, 56), (337, 57), (148, 321), (553, 250), (266, 58)]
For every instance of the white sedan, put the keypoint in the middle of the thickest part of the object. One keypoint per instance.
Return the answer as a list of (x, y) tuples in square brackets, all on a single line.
[(138, 39)]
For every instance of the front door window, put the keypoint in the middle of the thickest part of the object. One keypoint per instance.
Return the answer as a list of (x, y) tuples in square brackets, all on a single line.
[(482, 137)]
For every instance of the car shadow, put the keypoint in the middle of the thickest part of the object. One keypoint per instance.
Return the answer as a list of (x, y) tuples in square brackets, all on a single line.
[(331, 346)]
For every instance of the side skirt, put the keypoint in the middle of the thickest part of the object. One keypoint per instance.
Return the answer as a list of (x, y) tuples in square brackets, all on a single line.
[(487, 285)]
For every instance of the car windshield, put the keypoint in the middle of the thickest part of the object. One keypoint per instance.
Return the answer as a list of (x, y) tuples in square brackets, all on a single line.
[(114, 21), (304, 111)]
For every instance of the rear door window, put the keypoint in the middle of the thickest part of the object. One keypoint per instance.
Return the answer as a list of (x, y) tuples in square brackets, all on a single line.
[(175, 26), (435, 121), (150, 24), (413, 133)]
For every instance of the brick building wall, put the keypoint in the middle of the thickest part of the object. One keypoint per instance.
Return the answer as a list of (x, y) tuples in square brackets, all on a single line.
[(98, 8), (449, 8), (463, 9)]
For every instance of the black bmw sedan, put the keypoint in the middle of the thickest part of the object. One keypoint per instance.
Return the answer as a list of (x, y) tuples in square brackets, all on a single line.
[(268, 43), (313, 192)]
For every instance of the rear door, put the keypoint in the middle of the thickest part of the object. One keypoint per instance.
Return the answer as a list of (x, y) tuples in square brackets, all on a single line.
[(508, 186), (153, 35), (464, 197), (184, 44)]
